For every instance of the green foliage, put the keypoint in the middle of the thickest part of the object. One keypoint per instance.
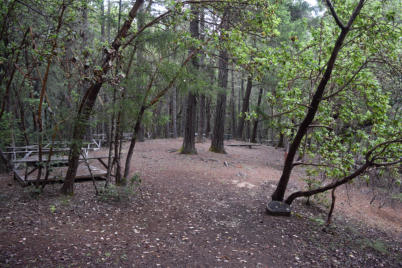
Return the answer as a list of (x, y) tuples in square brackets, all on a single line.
[(279, 43), (33, 191), (6, 129), (113, 193), (397, 197), (52, 208), (317, 220), (377, 245), (355, 114)]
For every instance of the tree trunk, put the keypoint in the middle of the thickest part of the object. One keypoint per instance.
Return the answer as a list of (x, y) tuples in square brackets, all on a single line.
[(118, 139), (245, 107), (201, 118), (254, 135), (136, 131), (174, 112), (201, 121), (208, 117), (140, 62), (102, 21), (191, 112), (279, 193), (241, 95), (189, 128), (88, 101), (211, 75), (217, 144), (183, 116), (233, 107), (109, 21)]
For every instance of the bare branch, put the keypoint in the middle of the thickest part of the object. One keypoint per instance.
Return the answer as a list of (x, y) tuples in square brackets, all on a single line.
[(385, 144), (311, 164), (31, 8), (369, 163), (384, 164), (333, 13), (330, 186), (355, 13), (347, 83), (149, 24)]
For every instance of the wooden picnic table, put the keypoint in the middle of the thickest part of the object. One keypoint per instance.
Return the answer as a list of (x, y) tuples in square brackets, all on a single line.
[(59, 165)]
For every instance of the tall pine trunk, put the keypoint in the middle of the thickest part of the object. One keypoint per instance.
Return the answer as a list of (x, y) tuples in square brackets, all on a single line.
[(233, 106), (174, 113), (217, 144), (201, 117), (191, 112)]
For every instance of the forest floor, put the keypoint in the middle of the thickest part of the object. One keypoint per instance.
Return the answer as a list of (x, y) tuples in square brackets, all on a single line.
[(204, 210)]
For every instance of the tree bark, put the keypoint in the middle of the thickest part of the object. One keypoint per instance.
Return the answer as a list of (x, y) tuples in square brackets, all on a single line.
[(217, 144), (140, 61), (254, 135), (330, 186), (245, 107), (189, 128), (88, 101), (191, 112), (109, 21), (208, 116), (201, 117), (279, 193), (233, 107), (174, 112), (102, 21)]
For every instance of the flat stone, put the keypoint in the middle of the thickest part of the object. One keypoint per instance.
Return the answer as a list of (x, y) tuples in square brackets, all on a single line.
[(277, 208)]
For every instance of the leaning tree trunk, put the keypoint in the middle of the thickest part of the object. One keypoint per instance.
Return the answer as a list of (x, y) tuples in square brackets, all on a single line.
[(245, 107), (191, 112), (88, 101), (279, 193), (217, 145)]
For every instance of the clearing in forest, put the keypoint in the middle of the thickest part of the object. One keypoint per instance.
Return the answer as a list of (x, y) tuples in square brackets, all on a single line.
[(205, 210)]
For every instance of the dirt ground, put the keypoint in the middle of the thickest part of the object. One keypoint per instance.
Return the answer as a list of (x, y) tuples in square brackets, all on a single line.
[(204, 210)]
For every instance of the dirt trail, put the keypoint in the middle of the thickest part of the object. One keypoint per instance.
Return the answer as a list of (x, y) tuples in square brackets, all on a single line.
[(204, 210), (253, 168)]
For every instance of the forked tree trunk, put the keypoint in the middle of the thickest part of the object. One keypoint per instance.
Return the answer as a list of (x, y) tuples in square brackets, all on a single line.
[(88, 101), (279, 193)]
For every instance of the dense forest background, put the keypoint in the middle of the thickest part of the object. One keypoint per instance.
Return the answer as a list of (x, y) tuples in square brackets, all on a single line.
[(323, 82)]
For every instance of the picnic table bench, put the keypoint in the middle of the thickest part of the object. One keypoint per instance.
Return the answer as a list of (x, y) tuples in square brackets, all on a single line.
[(249, 145)]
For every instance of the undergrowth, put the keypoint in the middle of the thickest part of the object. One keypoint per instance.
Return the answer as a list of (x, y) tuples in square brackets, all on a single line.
[(115, 193)]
